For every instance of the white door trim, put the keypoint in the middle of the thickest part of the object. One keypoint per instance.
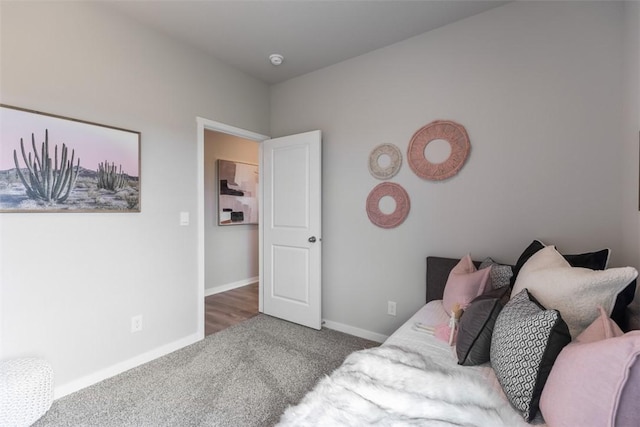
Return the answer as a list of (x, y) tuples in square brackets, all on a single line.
[(203, 124)]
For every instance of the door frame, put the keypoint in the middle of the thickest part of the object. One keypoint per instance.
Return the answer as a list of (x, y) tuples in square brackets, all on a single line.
[(202, 125)]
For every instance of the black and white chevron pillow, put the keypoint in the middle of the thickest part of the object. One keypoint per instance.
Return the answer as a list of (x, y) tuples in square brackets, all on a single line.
[(500, 274), (525, 343)]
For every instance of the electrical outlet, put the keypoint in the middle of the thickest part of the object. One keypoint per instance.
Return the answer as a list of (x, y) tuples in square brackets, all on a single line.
[(391, 308), (136, 323)]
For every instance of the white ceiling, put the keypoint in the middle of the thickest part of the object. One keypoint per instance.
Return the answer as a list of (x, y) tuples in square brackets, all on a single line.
[(310, 34)]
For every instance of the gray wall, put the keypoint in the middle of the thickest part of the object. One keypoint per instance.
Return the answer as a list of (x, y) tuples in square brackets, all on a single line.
[(71, 282), (538, 87), (631, 129), (231, 252)]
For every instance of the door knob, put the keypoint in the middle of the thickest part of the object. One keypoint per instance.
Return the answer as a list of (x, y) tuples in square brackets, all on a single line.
[(312, 239)]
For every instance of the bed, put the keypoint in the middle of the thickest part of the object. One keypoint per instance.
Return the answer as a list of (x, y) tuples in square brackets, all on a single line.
[(414, 378)]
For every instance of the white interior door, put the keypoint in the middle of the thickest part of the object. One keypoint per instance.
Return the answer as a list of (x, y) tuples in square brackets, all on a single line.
[(291, 228)]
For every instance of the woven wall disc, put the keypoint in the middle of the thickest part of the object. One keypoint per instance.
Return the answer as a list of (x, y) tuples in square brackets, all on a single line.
[(395, 156), (399, 195), (455, 134)]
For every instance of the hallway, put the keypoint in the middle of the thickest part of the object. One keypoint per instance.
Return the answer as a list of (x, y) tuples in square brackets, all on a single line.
[(228, 308)]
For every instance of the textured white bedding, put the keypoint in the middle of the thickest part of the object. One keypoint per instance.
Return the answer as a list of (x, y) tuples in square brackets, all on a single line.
[(413, 379), (391, 386), (434, 314)]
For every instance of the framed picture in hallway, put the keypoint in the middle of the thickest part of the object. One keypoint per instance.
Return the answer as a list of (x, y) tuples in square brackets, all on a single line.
[(51, 163), (237, 193)]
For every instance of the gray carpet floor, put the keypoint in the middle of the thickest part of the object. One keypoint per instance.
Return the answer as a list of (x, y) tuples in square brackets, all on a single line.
[(245, 375)]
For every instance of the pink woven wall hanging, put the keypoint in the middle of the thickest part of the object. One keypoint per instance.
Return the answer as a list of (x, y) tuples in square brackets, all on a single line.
[(398, 194), (455, 134)]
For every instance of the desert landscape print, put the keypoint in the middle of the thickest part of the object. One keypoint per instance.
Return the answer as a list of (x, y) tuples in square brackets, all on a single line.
[(51, 163)]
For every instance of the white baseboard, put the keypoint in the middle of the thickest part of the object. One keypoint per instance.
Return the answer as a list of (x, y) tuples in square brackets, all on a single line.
[(118, 368), (230, 286), (352, 330)]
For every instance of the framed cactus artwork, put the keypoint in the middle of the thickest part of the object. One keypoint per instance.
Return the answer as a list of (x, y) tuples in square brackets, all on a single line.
[(237, 193), (50, 163)]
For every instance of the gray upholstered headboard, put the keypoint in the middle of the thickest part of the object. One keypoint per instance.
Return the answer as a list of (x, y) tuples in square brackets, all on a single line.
[(438, 269)]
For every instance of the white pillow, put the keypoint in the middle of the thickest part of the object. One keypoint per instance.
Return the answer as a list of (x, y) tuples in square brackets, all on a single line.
[(574, 291)]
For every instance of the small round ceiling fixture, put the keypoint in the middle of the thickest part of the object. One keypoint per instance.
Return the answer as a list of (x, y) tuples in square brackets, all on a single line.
[(276, 59)]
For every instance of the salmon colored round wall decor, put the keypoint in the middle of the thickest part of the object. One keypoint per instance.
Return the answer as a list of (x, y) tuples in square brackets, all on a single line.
[(453, 133), (401, 198)]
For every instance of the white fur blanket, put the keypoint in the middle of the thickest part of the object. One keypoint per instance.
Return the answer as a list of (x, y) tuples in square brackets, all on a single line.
[(391, 386)]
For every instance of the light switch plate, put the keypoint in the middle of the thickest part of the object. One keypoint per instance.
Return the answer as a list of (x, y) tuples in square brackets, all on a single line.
[(184, 218)]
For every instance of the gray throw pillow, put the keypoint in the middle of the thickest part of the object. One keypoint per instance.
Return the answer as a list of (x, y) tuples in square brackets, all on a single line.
[(476, 327)]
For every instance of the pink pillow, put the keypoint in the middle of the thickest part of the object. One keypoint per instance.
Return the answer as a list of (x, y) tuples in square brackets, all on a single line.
[(601, 328), (627, 415), (465, 283), (595, 384)]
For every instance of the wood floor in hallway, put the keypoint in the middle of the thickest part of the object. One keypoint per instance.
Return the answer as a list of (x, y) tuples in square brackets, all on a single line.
[(228, 308)]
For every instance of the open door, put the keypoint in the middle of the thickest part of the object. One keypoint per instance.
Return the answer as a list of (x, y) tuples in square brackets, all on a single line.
[(291, 228)]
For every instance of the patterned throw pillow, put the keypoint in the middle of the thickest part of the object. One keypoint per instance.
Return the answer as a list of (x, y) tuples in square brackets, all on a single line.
[(525, 343), (500, 275)]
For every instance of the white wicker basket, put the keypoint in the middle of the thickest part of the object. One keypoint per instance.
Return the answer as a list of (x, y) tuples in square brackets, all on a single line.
[(26, 391)]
